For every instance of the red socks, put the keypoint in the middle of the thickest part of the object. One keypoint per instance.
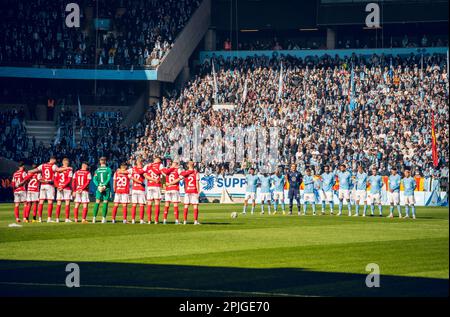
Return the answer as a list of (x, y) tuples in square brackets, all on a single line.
[(114, 212), (157, 213), (35, 206), (196, 213), (141, 212), (40, 208), (124, 211), (185, 213), (50, 210), (75, 213), (166, 211), (133, 212), (149, 213), (16, 212), (85, 211), (67, 211), (175, 211), (58, 210), (26, 211)]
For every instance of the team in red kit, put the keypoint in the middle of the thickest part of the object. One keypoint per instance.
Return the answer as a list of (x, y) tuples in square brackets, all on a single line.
[(138, 186)]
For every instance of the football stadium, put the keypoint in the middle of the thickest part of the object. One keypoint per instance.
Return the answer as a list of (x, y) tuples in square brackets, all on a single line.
[(224, 148)]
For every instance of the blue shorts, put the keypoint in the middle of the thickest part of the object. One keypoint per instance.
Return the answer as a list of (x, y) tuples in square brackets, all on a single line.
[(294, 193)]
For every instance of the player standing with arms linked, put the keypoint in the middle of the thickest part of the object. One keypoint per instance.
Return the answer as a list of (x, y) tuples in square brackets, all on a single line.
[(121, 191), (64, 192), (294, 178), (361, 190), (172, 191), (153, 176), (278, 181), (326, 194), (345, 179), (33, 181), (20, 194), (250, 191), (409, 184), (265, 181), (394, 192), (308, 192), (376, 183), (80, 190), (102, 178)]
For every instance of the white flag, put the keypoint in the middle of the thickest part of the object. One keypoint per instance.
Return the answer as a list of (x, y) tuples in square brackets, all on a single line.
[(79, 108), (244, 96), (215, 82), (280, 83)]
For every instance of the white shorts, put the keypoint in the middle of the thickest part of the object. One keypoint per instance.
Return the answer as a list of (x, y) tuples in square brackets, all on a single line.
[(265, 197), (326, 196), (394, 198), (250, 196), (309, 197), (344, 193), (172, 196), (409, 200), (47, 192), (153, 193), (32, 196), (65, 194), (191, 199), (138, 197), (122, 198), (374, 198), (82, 197), (278, 196), (20, 197), (360, 195)]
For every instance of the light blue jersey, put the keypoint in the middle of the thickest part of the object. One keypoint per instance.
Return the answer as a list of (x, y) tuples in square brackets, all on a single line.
[(376, 183), (409, 183), (252, 182), (345, 179), (328, 181), (361, 181), (278, 183), (308, 181), (394, 183), (265, 183)]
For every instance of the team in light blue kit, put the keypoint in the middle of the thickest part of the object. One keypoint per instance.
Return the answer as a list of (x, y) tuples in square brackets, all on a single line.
[(250, 191), (345, 183), (278, 182), (360, 190), (394, 192), (265, 183), (353, 187), (308, 192), (409, 184), (328, 180), (376, 183)]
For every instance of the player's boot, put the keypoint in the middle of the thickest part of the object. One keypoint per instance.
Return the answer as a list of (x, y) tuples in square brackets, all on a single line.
[(93, 219), (414, 216), (113, 221), (104, 220), (133, 221), (400, 216), (355, 215), (49, 220), (40, 219), (156, 222), (164, 221), (25, 220), (349, 213), (406, 216), (18, 220), (177, 222), (75, 220), (124, 221), (142, 222), (196, 223), (390, 216), (67, 220), (57, 220), (275, 212), (84, 221), (184, 222)]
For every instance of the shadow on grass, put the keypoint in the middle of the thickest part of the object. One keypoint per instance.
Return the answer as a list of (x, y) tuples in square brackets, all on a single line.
[(47, 278)]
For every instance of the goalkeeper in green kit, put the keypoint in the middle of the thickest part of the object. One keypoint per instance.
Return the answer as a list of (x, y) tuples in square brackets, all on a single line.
[(102, 177)]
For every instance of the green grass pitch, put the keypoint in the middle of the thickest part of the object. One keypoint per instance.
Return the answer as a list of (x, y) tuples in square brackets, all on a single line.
[(253, 255)]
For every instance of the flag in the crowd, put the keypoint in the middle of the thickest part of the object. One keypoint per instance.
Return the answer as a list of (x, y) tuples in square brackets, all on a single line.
[(433, 142), (352, 90), (79, 108), (391, 69), (215, 82), (244, 95), (280, 82), (58, 136)]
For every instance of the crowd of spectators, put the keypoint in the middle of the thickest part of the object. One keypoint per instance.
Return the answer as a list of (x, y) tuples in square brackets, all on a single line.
[(388, 125), (13, 134), (141, 33)]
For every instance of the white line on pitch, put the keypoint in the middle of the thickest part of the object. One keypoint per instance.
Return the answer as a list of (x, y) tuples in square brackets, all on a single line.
[(151, 288)]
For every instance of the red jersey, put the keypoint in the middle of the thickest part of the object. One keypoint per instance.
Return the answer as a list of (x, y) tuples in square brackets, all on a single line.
[(154, 171), (122, 183), (48, 172), (62, 179), (33, 182), (138, 173), (190, 181), (19, 177), (81, 180), (171, 175)]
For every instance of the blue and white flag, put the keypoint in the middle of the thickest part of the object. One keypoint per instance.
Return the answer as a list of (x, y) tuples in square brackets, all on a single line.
[(280, 81), (79, 108)]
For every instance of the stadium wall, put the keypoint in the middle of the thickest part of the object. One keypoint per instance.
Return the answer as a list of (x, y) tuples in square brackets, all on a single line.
[(319, 53)]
